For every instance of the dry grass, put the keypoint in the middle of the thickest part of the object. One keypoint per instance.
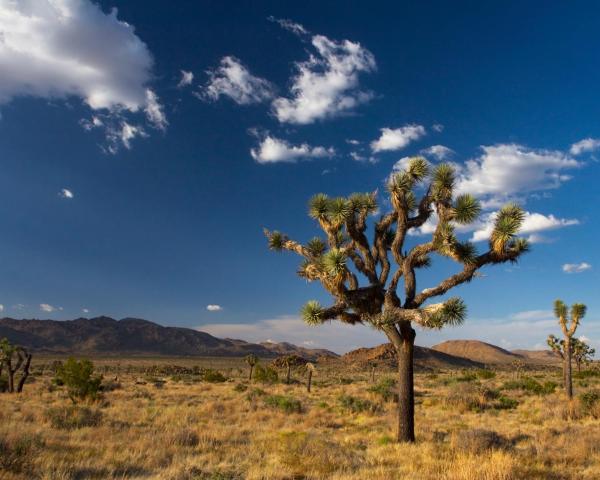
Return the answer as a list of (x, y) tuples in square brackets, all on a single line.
[(468, 427)]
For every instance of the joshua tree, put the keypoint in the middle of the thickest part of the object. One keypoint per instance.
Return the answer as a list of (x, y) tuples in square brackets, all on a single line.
[(345, 254), (310, 369), (15, 359), (518, 366), (251, 360), (582, 353), (564, 347), (373, 366), (287, 362)]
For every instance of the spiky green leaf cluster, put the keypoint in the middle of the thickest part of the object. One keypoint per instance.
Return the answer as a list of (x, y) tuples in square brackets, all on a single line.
[(334, 262), (362, 202), (318, 205), (466, 209), (578, 311), (560, 309), (312, 313), (442, 185), (316, 247), (507, 223), (276, 241)]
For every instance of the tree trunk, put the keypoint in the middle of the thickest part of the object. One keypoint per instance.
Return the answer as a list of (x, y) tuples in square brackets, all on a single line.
[(372, 374), (11, 376), (25, 374), (404, 341), (308, 384), (289, 371), (250, 376), (568, 379)]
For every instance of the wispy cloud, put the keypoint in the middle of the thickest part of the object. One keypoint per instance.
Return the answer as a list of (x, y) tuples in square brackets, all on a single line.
[(214, 308), (584, 146), (576, 267), (274, 150), (186, 79), (397, 138)]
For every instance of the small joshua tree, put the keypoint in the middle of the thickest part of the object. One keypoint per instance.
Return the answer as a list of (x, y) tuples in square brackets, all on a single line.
[(564, 347), (373, 367), (287, 362), (310, 369), (582, 353), (16, 359), (251, 360), (346, 254)]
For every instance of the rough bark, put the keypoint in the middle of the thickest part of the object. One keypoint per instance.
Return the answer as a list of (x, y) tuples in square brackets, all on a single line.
[(25, 373), (309, 381), (568, 375), (288, 375), (250, 375)]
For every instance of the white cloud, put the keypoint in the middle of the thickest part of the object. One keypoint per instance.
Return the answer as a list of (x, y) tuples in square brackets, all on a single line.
[(214, 308), (186, 79), (287, 24), (44, 307), (66, 193), (18, 306), (85, 310), (439, 152), (233, 80), (1, 308), (585, 145), (437, 127), (533, 224), (154, 111), (335, 336), (326, 85), (506, 171), (71, 48), (398, 138), (351, 141), (576, 267), (273, 150)]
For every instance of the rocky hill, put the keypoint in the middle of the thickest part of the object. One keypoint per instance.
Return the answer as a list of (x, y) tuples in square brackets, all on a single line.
[(425, 358), (134, 336), (477, 351)]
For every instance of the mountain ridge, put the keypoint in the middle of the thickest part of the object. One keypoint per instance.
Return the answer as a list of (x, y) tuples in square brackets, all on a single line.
[(134, 336)]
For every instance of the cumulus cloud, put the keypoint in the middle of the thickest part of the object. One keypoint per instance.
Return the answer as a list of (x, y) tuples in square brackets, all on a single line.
[(584, 146), (533, 224), (398, 138), (335, 336), (85, 310), (214, 308), (439, 152), (45, 307), (186, 79), (66, 193), (71, 48), (576, 267), (232, 79), (327, 84), (507, 171), (273, 150)]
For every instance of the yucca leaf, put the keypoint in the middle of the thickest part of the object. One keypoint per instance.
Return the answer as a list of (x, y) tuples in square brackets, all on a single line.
[(466, 209), (318, 205), (312, 313)]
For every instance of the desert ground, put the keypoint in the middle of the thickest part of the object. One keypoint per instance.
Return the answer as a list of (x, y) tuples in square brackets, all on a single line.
[(167, 419)]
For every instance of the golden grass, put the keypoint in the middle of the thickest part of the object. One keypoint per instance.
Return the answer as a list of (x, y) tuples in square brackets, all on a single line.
[(197, 430)]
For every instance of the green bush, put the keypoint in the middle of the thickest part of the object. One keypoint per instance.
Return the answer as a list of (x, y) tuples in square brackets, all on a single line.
[(18, 453), (530, 385), (484, 374), (72, 417), (589, 400), (213, 376), (287, 404), (265, 374), (385, 389), (240, 387), (357, 405), (79, 378), (505, 403), (587, 374), (254, 394)]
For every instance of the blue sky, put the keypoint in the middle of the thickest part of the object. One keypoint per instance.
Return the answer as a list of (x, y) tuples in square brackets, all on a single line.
[(142, 150)]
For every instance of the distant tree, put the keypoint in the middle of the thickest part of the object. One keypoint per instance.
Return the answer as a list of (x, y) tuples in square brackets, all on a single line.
[(79, 378), (373, 367), (310, 369), (346, 253), (15, 359), (564, 347), (288, 362), (582, 353), (251, 360)]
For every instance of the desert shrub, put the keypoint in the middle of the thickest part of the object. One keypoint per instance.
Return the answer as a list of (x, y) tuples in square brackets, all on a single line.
[(479, 441), (265, 374), (466, 377), (18, 452), (589, 403), (587, 374), (72, 417), (284, 403), (186, 438), (357, 405), (110, 386), (240, 387), (530, 385), (505, 403), (385, 389), (254, 394), (471, 397), (485, 374), (213, 376), (79, 378), (345, 381)]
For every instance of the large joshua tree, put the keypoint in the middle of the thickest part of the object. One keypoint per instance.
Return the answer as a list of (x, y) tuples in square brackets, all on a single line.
[(346, 254), (565, 347)]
